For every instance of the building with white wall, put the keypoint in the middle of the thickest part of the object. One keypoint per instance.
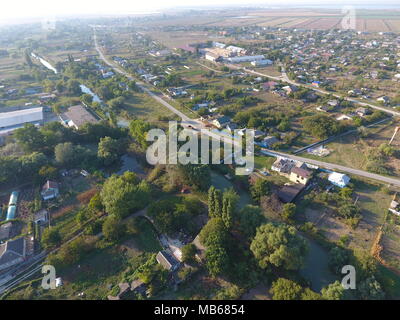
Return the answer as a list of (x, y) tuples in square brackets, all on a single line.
[(14, 119)]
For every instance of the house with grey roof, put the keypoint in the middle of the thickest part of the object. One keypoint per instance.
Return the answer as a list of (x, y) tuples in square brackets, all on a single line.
[(12, 252), (50, 190), (77, 116), (167, 260), (5, 231)]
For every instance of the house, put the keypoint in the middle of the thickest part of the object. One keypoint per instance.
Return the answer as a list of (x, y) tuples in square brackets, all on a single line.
[(383, 99), (258, 134), (41, 217), (324, 108), (77, 116), (300, 175), (50, 190), (139, 287), (316, 84), (167, 260), (258, 63), (395, 206), (221, 122), (282, 165), (210, 56), (245, 59), (362, 112), (269, 85), (290, 89), (5, 231), (269, 141), (333, 103), (231, 126), (289, 193), (354, 92), (12, 252), (123, 291), (338, 179), (236, 50)]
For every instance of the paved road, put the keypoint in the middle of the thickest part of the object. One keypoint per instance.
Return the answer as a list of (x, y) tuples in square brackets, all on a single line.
[(316, 144), (186, 119), (332, 166), (198, 125), (285, 78)]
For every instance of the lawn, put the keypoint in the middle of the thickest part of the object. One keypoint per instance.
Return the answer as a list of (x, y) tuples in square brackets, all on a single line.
[(142, 106)]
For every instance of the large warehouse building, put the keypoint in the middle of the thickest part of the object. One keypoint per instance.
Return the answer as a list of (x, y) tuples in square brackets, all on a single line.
[(14, 119)]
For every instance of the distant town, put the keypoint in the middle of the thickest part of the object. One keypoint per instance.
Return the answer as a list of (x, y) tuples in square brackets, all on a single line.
[(78, 98)]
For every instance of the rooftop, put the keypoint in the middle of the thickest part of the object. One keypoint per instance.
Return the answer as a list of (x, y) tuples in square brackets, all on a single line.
[(79, 115), (301, 172)]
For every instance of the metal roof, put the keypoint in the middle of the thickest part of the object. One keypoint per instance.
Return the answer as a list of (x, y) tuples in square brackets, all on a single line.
[(11, 212), (12, 118)]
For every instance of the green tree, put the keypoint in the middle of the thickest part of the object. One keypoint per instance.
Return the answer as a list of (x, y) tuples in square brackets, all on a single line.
[(189, 252), (51, 237), (370, 289), (87, 99), (95, 204), (308, 294), (113, 228), (73, 87), (288, 211), (230, 200), (338, 257), (48, 172), (334, 291), (109, 150), (124, 194), (214, 231), (278, 245), (29, 138), (216, 259), (249, 219), (284, 289), (138, 130), (260, 188), (322, 126), (65, 153)]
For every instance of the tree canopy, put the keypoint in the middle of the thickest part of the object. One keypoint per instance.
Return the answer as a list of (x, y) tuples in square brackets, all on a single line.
[(278, 245), (124, 194)]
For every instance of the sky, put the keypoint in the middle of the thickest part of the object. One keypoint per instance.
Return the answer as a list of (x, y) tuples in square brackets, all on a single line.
[(46, 8)]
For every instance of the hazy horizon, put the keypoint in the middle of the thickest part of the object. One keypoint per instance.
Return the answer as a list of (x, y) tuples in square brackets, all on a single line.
[(20, 11)]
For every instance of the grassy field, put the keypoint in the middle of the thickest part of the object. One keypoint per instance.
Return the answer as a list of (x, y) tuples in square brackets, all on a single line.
[(352, 150), (144, 107), (373, 201)]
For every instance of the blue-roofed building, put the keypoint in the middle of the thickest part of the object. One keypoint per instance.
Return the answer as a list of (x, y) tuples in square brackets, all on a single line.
[(13, 198), (11, 212)]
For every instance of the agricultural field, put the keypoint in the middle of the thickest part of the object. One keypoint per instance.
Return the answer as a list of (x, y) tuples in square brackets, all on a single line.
[(320, 20)]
